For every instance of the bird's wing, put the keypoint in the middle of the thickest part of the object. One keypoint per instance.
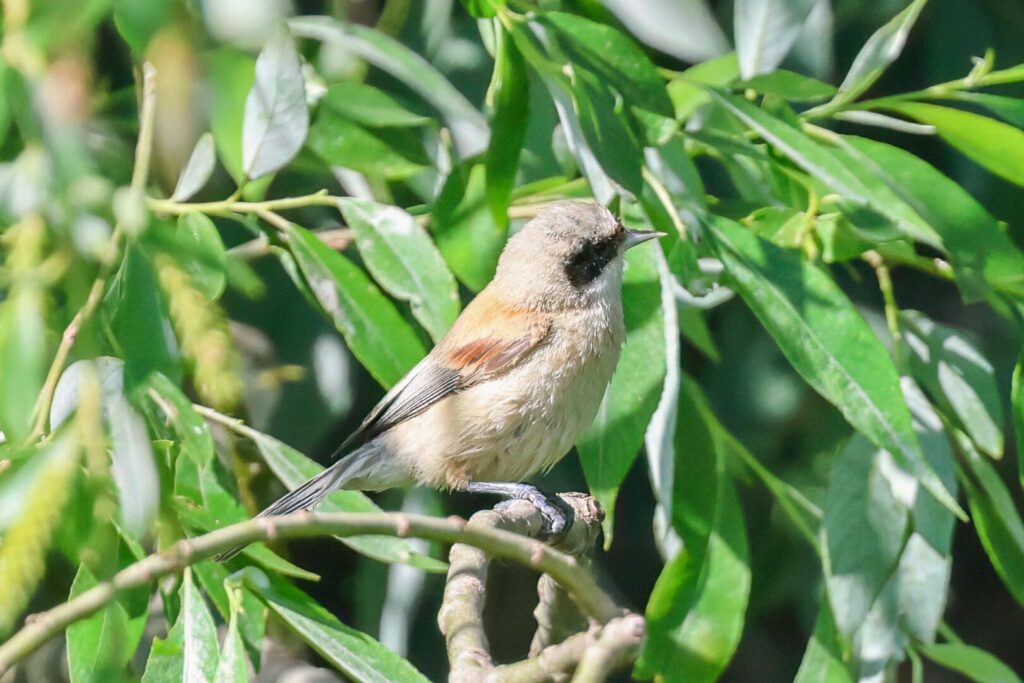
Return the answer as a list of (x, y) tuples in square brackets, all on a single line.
[(487, 340)]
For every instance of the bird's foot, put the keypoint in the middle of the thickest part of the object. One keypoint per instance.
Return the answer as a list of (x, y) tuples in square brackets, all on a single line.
[(554, 513)]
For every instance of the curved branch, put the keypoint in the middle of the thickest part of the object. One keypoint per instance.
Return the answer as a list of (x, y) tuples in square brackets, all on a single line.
[(565, 569)]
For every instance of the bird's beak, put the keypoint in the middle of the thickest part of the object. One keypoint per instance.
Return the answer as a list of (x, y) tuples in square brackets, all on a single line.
[(635, 237)]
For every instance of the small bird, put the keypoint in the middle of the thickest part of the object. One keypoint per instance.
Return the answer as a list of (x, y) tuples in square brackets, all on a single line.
[(513, 384)]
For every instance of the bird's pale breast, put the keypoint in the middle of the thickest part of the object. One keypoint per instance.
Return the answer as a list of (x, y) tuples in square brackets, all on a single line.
[(508, 428)]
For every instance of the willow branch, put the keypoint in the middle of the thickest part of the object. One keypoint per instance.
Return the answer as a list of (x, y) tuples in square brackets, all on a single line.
[(552, 663), (618, 644), (41, 627)]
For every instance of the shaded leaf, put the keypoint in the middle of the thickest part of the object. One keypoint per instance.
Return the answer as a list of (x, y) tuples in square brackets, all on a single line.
[(251, 618), (189, 654), (685, 29), (974, 663), (606, 132), (393, 153), (205, 257), (232, 666), (789, 86), (197, 170), (23, 350), (464, 227), (997, 146), (823, 658), (1017, 412), (609, 447), (468, 126), (373, 329), (881, 49), (828, 342), (355, 654), (403, 259), (765, 30), (276, 117), (1009, 109), (369, 106)]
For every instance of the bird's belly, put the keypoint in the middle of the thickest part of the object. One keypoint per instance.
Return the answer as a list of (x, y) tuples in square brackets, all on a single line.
[(508, 428)]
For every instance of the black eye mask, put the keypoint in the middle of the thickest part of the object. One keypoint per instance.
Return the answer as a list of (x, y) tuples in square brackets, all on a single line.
[(589, 260)]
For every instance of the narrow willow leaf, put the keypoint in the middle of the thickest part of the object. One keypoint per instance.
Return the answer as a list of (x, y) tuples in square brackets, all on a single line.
[(765, 30), (189, 654), (232, 667), (960, 379), (100, 647), (134, 469), (687, 91), (974, 663), (197, 170), (685, 29), (252, 615), (696, 612), (510, 88), (996, 520), (828, 342), (613, 57), (1009, 109), (201, 253), (468, 126), (392, 153), (789, 86), (607, 450), (881, 50), (293, 469), (355, 654), (1017, 412), (606, 131), (370, 106), (997, 146), (402, 258), (982, 254), (276, 116), (375, 331), (482, 9), (465, 229), (823, 658), (858, 186)]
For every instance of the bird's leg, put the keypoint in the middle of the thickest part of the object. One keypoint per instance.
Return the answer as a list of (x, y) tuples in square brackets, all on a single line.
[(555, 514)]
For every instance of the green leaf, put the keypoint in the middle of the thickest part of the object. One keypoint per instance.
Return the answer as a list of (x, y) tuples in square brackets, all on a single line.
[(696, 612), (960, 379), (276, 117), (980, 251), (402, 258), (510, 90), (862, 189), (1017, 413), (823, 658), (483, 9), (789, 86), (997, 146), (232, 666), (687, 92), (464, 227), (135, 311), (996, 519), (609, 447), (974, 663), (392, 153), (190, 430), (197, 170), (685, 29), (828, 342), (613, 58), (205, 259), (252, 617), (369, 106), (294, 469), (765, 30), (1009, 109), (468, 126), (139, 20), (606, 131), (189, 655), (355, 654), (881, 49), (231, 75), (373, 329), (100, 647), (23, 357)]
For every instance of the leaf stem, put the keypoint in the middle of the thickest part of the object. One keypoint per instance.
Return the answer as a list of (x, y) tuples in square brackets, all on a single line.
[(892, 311)]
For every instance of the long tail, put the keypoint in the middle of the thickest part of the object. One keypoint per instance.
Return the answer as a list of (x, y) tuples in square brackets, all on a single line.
[(306, 496)]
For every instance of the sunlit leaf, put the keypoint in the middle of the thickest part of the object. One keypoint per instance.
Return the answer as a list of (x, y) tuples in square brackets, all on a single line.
[(685, 29), (828, 342), (189, 654), (1017, 413), (974, 663), (276, 116), (369, 106), (997, 146), (23, 353), (789, 86), (374, 330), (402, 258), (394, 153), (765, 30), (205, 257), (510, 89), (823, 658), (197, 170)]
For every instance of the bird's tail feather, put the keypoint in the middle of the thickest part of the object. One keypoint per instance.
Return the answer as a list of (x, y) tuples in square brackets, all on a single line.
[(305, 497)]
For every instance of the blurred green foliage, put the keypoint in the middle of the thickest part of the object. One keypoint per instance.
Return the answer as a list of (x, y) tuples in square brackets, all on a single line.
[(270, 211)]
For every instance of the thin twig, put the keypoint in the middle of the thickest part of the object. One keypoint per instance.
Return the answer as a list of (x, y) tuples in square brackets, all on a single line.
[(41, 627), (143, 156), (619, 642), (546, 665)]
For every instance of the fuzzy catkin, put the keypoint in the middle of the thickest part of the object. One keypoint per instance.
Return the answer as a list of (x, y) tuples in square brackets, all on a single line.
[(203, 333)]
